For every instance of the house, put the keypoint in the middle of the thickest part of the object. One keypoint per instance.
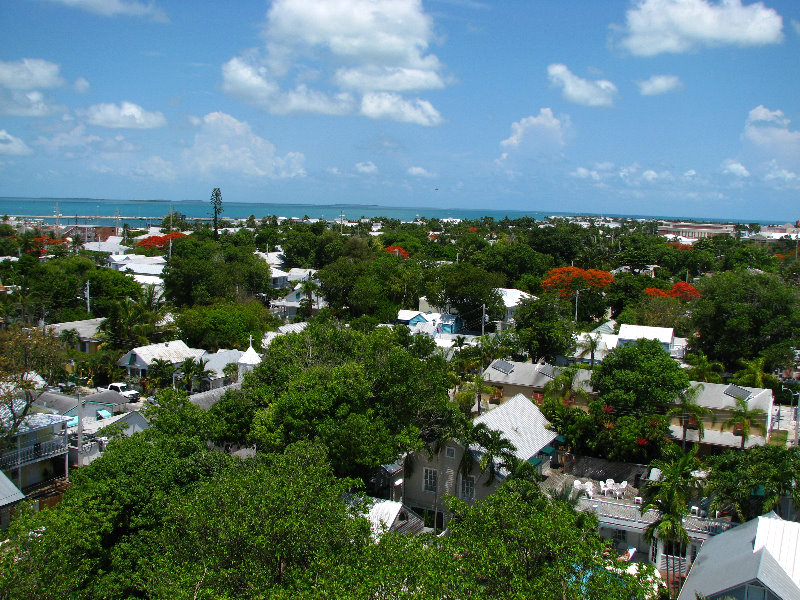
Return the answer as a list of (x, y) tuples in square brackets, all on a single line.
[(388, 515), (138, 360), (216, 365), (529, 379), (628, 334), (63, 404), (85, 443), (10, 496), (88, 333), (278, 278), (282, 330), (410, 317), (757, 560), (288, 306), (512, 298), (519, 421), (721, 399), (37, 451)]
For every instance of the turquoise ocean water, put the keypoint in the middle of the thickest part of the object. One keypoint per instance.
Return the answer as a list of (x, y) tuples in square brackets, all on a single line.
[(104, 211)]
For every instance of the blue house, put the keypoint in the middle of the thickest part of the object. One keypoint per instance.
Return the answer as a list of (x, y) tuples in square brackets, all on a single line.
[(410, 317)]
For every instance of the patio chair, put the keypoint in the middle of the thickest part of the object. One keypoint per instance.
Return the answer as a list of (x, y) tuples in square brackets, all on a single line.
[(577, 485), (603, 488), (610, 482)]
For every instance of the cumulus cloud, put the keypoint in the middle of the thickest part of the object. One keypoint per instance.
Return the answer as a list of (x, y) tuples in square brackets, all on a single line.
[(25, 104), (581, 91), (659, 84), (81, 85), (29, 74), (72, 142), (769, 132), (420, 172), (361, 55), (735, 168), (385, 105), (545, 131), (366, 168), (223, 144), (126, 115), (12, 146), (656, 26), (113, 8)]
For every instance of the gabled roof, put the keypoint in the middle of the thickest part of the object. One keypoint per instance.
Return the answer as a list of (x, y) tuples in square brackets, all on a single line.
[(520, 422), (407, 315), (250, 357), (9, 493), (220, 359), (509, 372), (766, 549), (32, 422), (722, 395), (87, 329), (173, 352), (512, 297)]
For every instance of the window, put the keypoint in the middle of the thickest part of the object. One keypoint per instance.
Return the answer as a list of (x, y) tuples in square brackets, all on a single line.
[(620, 537), (467, 488), (450, 452), (429, 482)]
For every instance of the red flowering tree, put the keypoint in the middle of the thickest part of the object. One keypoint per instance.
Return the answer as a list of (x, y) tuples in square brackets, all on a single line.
[(43, 244), (398, 251), (681, 291), (567, 280), (160, 241)]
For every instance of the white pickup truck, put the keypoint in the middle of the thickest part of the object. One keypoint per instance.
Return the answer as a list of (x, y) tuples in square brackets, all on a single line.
[(122, 388)]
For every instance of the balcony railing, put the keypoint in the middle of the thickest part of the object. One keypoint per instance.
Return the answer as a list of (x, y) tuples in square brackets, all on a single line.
[(32, 453), (631, 513)]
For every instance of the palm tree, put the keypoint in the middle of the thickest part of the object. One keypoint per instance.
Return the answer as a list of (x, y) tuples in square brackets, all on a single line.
[(707, 371), (473, 391), (567, 386), (309, 287), (496, 451), (591, 344), (752, 373), (689, 410), (743, 417), (667, 527), (160, 372)]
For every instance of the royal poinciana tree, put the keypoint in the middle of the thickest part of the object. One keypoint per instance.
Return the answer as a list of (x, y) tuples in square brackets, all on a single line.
[(585, 286)]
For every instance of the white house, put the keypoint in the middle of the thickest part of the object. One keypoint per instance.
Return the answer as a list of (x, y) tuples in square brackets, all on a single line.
[(138, 360)]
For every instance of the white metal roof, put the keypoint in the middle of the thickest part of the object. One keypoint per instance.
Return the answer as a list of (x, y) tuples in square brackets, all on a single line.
[(173, 352), (639, 332), (250, 357), (512, 297), (520, 422)]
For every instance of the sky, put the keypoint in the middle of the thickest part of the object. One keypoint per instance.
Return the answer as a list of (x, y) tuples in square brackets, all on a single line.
[(649, 107)]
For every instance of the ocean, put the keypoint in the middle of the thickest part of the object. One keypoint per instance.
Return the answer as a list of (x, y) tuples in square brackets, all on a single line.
[(139, 212)]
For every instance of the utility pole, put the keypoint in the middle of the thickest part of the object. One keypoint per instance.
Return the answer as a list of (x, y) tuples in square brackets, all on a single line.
[(88, 298), (483, 319)]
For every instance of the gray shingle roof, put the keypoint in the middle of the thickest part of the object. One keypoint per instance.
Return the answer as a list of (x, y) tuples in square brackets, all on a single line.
[(9, 493)]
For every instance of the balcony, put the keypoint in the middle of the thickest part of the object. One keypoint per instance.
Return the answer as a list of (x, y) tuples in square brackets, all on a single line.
[(32, 453)]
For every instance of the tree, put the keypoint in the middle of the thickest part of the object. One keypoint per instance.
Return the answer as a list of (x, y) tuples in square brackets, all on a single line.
[(496, 451), (225, 324), (742, 314), (589, 344), (567, 386), (160, 373), (743, 419), (689, 411), (585, 285), (216, 206), (753, 374), (545, 327), (638, 379), (703, 369), (468, 289)]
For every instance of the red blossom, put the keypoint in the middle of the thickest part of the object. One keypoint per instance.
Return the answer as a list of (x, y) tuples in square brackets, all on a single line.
[(642, 441), (656, 293), (566, 280), (160, 241), (608, 409), (398, 251)]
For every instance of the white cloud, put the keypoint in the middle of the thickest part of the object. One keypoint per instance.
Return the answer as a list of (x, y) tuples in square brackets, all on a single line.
[(735, 168), (420, 172), (113, 8), (768, 131), (125, 115), (155, 167), (366, 168), (24, 104), (385, 105), (796, 25), (375, 49), (659, 84), (29, 74), (781, 177), (582, 91), (81, 85), (224, 144), (12, 146), (545, 131), (657, 26)]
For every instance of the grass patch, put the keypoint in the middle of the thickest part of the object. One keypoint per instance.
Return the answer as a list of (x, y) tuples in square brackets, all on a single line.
[(778, 438)]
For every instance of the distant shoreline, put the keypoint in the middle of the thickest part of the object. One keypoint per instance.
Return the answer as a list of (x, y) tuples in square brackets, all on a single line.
[(105, 208)]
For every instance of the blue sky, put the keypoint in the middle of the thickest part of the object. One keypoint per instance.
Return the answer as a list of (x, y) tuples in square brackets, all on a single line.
[(660, 107)]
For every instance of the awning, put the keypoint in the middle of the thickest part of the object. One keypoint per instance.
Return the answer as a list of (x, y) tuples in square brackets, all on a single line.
[(103, 414), (560, 439), (535, 461), (547, 450)]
